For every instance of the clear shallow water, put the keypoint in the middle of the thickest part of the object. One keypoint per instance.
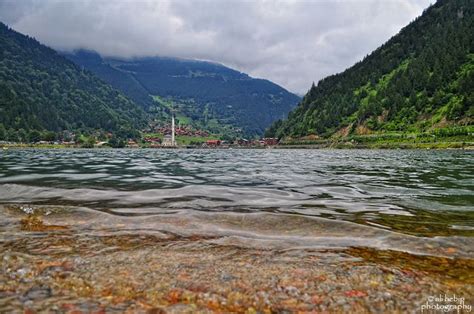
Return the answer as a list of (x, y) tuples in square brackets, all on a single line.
[(416, 201)]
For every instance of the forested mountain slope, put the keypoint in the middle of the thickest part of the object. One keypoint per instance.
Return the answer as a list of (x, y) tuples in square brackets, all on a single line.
[(204, 91), (421, 79), (41, 90), (121, 80)]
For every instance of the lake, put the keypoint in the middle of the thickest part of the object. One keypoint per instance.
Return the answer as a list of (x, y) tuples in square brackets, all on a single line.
[(409, 210)]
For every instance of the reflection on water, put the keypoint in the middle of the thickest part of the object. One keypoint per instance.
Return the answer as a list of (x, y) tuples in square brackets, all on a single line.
[(342, 197)]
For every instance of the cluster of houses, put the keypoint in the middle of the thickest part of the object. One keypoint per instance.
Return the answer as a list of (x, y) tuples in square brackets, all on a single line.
[(170, 131), (154, 142), (268, 141), (180, 130)]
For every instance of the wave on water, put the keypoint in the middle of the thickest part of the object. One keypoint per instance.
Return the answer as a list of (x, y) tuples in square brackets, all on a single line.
[(401, 200)]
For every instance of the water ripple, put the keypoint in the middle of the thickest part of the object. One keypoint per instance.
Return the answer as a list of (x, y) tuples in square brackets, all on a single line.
[(422, 193)]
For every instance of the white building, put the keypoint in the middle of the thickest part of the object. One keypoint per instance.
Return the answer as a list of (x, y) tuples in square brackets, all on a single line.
[(169, 140)]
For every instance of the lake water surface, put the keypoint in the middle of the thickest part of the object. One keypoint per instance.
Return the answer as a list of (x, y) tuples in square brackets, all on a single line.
[(180, 231), (404, 200)]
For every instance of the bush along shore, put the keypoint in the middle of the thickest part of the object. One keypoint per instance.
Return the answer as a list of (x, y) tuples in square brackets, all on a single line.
[(446, 138)]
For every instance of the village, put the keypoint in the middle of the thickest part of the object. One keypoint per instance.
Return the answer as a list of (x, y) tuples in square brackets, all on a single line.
[(156, 142), (164, 141), (159, 136), (166, 136)]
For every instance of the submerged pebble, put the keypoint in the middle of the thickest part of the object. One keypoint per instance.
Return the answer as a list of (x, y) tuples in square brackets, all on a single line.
[(38, 293), (198, 231)]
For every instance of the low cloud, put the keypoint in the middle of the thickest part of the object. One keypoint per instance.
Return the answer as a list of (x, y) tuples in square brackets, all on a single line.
[(291, 42)]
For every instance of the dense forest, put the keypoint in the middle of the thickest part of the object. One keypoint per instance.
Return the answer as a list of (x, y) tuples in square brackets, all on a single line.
[(421, 79), (43, 94), (121, 80), (204, 92)]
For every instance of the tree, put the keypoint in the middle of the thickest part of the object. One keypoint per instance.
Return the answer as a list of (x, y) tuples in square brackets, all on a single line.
[(22, 135), (12, 135), (89, 142), (34, 136), (3, 132), (48, 136), (116, 142)]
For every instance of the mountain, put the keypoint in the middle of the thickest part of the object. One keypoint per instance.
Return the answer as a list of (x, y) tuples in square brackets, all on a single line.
[(121, 80), (203, 93), (421, 79), (41, 90)]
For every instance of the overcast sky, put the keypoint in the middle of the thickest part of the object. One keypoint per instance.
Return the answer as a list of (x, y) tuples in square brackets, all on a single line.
[(290, 42)]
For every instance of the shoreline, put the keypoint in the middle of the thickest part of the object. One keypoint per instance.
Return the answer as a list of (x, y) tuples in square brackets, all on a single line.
[(379, 146), (385, 146)]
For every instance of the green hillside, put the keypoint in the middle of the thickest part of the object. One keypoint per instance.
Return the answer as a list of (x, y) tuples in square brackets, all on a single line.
[(419, 81), (188, 113), (42, 91), (210, 95)]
